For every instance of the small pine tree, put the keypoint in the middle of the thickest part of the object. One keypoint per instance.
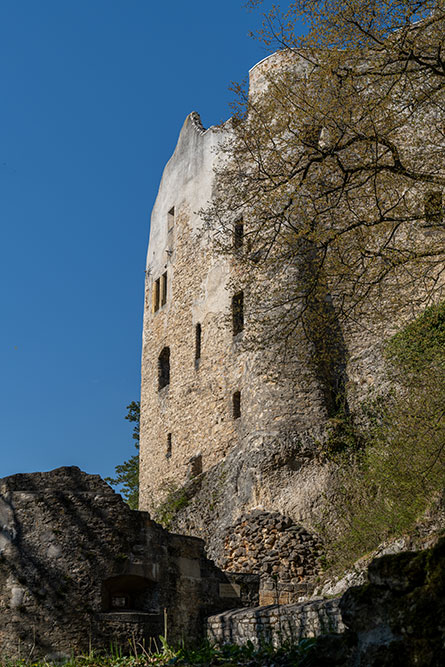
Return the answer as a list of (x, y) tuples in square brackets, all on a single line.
[(127, 473)]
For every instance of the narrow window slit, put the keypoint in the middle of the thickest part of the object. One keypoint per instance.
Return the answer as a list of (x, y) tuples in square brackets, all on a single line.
[(433, 208), (171, 220), (156, 291), (198, 333), (168, 453), (164, 289), (164, 368), (238, 313), (236, 404), (238, 234), (311, 135)]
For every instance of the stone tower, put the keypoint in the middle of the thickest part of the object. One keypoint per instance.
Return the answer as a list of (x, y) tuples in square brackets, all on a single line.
[(203, 393), (225, 415)]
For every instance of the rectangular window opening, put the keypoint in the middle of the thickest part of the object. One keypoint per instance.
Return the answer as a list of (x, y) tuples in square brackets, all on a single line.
[(433, 208), (168, 452), (164, 368), (236, 404), (155, 296), (238, 234), (164, 289), (238, 313)]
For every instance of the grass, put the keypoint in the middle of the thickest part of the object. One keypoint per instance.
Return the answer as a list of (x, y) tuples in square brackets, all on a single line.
[(206, 654)]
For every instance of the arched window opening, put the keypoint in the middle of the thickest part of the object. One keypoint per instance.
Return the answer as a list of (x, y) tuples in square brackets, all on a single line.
[(164, 368), (198, 333), (238, 313), (236, 404), (130, 593)]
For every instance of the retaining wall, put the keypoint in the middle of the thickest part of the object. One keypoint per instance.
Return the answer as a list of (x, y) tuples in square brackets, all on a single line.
[(276, 623)]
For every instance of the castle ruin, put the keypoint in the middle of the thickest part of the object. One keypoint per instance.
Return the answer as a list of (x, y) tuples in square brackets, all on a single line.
[(203, 391), (238, 426)]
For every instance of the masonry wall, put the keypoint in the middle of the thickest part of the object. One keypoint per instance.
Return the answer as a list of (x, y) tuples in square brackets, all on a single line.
[(276, 624), (193, 415), (80, 570)]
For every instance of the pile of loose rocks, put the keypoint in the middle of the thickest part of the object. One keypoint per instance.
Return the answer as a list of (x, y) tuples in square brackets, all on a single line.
[(271, 545)]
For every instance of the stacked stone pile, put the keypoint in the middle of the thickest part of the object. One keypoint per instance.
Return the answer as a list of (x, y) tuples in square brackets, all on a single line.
[(271, 545)]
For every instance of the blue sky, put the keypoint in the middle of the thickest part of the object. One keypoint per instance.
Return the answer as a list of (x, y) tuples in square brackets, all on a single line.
[(93, 95)]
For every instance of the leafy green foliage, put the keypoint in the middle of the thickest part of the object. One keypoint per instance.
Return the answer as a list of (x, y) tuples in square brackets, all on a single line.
[(342, 436), (385, 488), (176, 499), (317, 161), (231, 654), (127, 473), (421, 344)]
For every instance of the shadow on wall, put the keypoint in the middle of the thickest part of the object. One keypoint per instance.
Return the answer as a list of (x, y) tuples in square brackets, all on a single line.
[(67, 531), (130, 593), (276, 624)]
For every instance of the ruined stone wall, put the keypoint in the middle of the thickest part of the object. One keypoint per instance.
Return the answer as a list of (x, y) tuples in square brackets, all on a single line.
[(276, 624), (395, 619), (80, 570), (286, 557)]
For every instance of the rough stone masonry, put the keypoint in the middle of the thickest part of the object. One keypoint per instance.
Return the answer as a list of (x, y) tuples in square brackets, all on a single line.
[(80, 570), (285, 556)]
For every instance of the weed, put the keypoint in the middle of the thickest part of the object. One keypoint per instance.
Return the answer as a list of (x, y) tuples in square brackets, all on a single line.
[(229, 655), (176, 499)]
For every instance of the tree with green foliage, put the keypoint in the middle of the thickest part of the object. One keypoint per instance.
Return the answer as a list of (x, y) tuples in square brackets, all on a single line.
[(127, 474), (336, 165)]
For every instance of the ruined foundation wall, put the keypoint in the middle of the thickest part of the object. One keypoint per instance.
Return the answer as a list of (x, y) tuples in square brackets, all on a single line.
[(80, 570), (276, 624)]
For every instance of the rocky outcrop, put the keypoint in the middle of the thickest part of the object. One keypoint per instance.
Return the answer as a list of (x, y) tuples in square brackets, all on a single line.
[(397, 619), (280, 475)]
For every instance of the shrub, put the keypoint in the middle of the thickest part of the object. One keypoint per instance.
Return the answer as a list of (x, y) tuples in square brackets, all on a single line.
[(384, 489)]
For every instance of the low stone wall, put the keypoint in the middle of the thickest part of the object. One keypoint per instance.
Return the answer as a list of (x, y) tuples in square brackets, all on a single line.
[(276, 623), (396, 619)]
